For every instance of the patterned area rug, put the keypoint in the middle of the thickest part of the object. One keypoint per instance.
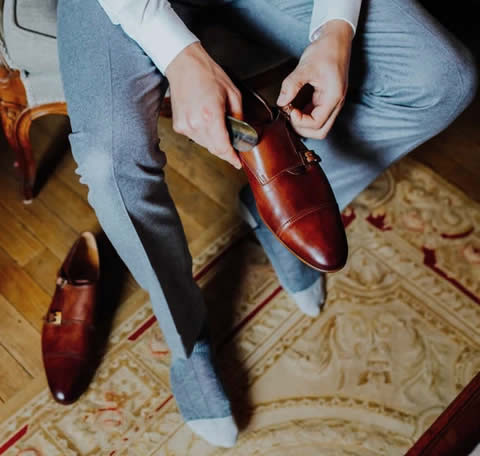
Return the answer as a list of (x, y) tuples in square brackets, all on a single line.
[(397, 340)]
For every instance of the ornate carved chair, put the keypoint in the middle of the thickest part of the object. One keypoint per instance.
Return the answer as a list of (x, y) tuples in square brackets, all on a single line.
[(30, 84)]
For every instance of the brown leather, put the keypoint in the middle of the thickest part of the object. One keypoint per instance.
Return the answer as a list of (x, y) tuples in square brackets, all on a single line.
[(292, 193), (68, 335)]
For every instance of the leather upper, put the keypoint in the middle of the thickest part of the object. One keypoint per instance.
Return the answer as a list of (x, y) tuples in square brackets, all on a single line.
[(294, 197), (73, 335), (68, 334)]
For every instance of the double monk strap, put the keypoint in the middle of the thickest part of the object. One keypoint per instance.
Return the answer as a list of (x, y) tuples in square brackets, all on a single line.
[(292, 193), (68, 333)]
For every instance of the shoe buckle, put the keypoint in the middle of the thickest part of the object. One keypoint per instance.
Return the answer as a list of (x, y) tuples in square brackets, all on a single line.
[(311, 157), (287, 110), (61, 282), (54, 318)]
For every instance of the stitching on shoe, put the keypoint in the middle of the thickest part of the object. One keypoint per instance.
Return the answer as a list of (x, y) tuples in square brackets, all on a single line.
[(299, 154), (300, 215)]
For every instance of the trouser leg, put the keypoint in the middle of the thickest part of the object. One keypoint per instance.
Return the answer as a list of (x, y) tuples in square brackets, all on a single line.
[(113, 94)]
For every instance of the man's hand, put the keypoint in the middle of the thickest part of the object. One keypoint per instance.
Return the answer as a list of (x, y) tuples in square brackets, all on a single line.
[(324, 65), (201, 95)]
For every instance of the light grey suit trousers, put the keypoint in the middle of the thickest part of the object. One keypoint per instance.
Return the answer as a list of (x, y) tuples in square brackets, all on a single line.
[(409, 80)]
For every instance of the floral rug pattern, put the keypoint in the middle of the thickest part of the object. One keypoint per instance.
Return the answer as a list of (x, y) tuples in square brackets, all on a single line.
[(398, 339)]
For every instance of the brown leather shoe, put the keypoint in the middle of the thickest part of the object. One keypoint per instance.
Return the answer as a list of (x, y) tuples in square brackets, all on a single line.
[(292, 193), (68, 337)]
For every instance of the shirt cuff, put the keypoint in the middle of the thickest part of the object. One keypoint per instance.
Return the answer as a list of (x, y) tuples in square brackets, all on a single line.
[(154, 25), (164, 37), (327, 10)]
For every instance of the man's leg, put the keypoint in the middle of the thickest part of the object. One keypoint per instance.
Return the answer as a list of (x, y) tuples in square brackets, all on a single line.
[(113, 94), (409, 79)]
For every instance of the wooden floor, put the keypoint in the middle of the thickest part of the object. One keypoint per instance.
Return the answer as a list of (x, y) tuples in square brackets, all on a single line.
[(35, 238)]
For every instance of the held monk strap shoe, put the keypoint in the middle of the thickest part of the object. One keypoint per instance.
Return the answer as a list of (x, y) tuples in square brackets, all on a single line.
[(68, 336), (292, 193)]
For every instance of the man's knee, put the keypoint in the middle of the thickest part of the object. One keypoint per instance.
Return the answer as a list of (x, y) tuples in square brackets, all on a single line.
[(446, 81), (108, 161), (469, 72), (93, 157)]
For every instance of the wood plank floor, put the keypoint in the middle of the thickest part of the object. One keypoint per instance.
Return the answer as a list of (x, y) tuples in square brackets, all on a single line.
[(35, 238)]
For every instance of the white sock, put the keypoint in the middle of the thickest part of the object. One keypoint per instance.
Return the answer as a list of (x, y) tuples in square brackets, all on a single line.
[(221, 432), (311, 300)]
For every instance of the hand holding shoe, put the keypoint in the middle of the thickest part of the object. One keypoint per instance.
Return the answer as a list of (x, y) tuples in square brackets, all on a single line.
[(292, 194), (201, 95)]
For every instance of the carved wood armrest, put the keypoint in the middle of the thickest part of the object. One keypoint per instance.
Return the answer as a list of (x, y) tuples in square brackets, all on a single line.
[(16, 118)]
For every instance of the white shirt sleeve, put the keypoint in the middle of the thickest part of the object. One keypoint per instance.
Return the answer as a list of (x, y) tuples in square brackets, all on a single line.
[(327, 10), (154, 25)]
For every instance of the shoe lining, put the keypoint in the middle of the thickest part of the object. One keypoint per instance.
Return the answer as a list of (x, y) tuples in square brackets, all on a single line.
[(255, 110), (85, 260)]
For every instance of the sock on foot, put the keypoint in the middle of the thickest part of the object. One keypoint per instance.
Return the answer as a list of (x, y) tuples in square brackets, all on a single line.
[(311, 300), (201, 398)]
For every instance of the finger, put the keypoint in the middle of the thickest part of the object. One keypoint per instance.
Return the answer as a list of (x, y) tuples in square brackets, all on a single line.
[(290, 87), (317, 118), (327, 126), (234, 101), (322, 132), (220, 143), (308, 133)]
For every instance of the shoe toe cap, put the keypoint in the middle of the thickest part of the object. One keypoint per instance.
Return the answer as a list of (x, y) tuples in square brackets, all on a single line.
[(67, 378), (318, 239)]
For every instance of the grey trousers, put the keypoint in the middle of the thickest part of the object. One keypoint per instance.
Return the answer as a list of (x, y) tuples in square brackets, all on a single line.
[(409, 79)]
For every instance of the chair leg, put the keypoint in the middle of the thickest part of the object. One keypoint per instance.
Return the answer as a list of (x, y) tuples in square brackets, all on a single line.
[(9, 114), (13, 104), (24, 147), (24, 152)]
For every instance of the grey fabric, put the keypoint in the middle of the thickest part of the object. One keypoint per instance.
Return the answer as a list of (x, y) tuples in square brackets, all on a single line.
[(37, 16), (409, 80), (196, 386), (43, 88), (30, 51), (29, 44), (201, 397)]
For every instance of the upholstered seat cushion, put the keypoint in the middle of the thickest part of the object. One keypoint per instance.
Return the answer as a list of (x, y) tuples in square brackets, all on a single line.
[(37, 16), (29, 34)]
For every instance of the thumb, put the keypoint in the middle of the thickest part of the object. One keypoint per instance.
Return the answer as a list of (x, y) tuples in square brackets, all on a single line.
[(290, 88)]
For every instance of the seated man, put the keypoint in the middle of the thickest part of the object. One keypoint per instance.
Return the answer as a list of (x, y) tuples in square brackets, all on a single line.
[(407, 80)]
